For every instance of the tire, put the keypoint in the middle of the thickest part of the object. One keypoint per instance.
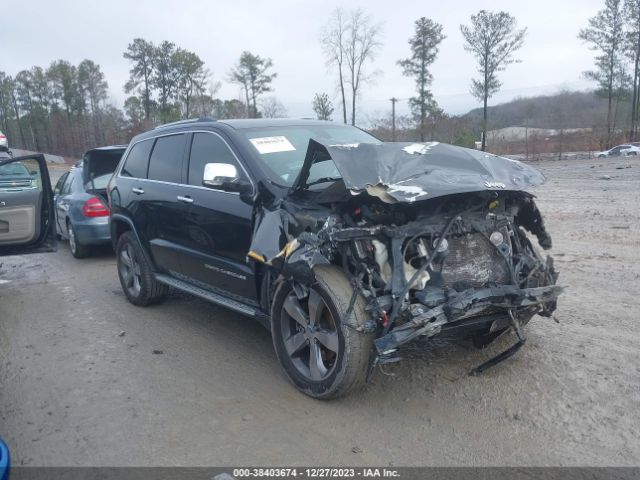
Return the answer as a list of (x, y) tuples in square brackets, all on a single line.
[(78, 250), (343, 351), (135, 274)]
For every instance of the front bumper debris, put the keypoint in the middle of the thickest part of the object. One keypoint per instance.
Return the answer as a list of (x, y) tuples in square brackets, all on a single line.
[(467, 304)]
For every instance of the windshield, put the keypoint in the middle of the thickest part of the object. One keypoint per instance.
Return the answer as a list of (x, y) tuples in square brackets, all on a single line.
[(14, 169), (282, 149)]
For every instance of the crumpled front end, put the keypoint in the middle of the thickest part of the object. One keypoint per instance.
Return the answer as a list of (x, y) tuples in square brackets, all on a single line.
[(458, 265), (435, 238)]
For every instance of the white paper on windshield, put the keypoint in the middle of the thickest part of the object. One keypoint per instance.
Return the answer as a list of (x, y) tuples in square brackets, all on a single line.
[(272, 144)]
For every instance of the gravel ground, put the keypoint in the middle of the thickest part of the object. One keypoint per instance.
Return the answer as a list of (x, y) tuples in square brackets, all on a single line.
[(88, 379)]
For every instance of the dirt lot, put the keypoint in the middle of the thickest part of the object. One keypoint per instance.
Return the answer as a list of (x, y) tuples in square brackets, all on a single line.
[(80, 383)]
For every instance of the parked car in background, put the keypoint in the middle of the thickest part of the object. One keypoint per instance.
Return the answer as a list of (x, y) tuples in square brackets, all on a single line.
[(16, 175), (345, 247), (82, 215), (4, 144), (620, 151)]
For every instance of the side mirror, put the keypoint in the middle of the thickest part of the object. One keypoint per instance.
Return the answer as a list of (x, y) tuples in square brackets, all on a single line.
[(224, 176), (216, 174)]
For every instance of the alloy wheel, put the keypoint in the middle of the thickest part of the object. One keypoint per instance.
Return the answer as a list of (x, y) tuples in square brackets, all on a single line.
[(129, 270), (72, 238), (310, 335)]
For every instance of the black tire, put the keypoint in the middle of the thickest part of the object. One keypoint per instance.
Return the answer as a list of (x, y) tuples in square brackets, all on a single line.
[(135, 274), (339, 371), (78, 250)]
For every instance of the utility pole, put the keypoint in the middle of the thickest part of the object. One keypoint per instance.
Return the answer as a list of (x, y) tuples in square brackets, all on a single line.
[(393, 118)]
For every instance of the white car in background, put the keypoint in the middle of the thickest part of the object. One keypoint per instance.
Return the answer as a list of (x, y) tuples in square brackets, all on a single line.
[(620, 151), (4, 144)]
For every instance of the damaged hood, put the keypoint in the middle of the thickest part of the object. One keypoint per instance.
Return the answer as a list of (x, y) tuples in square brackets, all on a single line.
[(407, 172)]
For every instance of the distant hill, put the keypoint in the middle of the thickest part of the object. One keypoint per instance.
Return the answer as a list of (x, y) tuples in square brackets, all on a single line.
[(566, 121), (562, 110)]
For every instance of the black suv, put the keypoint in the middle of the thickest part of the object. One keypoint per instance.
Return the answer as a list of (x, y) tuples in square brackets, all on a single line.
[(345, 247)]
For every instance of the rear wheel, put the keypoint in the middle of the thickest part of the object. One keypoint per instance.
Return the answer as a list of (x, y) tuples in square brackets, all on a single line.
[(322, 356), (78, 250), (135, 274)]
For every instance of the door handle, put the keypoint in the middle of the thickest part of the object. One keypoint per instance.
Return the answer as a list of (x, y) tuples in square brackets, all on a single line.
[(186, 199), (137, 191)]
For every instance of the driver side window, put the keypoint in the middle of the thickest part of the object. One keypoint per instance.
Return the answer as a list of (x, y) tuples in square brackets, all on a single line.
[(208, 148)]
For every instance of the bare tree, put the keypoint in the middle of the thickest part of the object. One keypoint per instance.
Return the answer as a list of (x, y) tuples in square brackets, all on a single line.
[(350, 40), (493, 39), (333, 43), (424, 49), (361, 47), (322, 106), (272, 108), (605, 35)]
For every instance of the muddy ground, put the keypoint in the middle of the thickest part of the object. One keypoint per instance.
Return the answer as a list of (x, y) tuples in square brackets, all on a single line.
[(80, 383)]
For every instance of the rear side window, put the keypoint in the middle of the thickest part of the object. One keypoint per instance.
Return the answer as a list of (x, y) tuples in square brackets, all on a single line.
[(137, 160), (66, 189), (60, 183), (208, 148), (166, 159)]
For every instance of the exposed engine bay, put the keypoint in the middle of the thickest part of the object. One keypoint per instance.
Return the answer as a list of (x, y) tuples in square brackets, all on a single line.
[(457, 263)]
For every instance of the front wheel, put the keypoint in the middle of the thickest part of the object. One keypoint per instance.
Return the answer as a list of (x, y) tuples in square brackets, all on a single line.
[(321, 355)]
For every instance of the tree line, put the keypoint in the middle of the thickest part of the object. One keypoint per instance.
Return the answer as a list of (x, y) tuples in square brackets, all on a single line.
[(351, 40), (62, 108), (65, 108), (614, 34)]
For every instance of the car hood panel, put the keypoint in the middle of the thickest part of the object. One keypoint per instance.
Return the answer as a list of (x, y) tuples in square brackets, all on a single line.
[(407, 172)]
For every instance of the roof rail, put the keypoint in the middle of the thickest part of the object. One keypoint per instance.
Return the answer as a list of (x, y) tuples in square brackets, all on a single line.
[(181, 122)]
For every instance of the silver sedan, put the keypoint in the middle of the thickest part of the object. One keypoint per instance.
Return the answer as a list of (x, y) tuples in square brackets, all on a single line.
[(82, 212)]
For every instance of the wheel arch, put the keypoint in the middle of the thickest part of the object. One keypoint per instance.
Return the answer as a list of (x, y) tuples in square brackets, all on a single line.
[(120, 224)]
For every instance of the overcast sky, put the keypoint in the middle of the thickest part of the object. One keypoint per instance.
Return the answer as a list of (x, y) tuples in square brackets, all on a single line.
[(36, 32)]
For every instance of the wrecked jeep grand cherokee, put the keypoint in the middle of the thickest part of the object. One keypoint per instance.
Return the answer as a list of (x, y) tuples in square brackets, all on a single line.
[(348, 249)]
